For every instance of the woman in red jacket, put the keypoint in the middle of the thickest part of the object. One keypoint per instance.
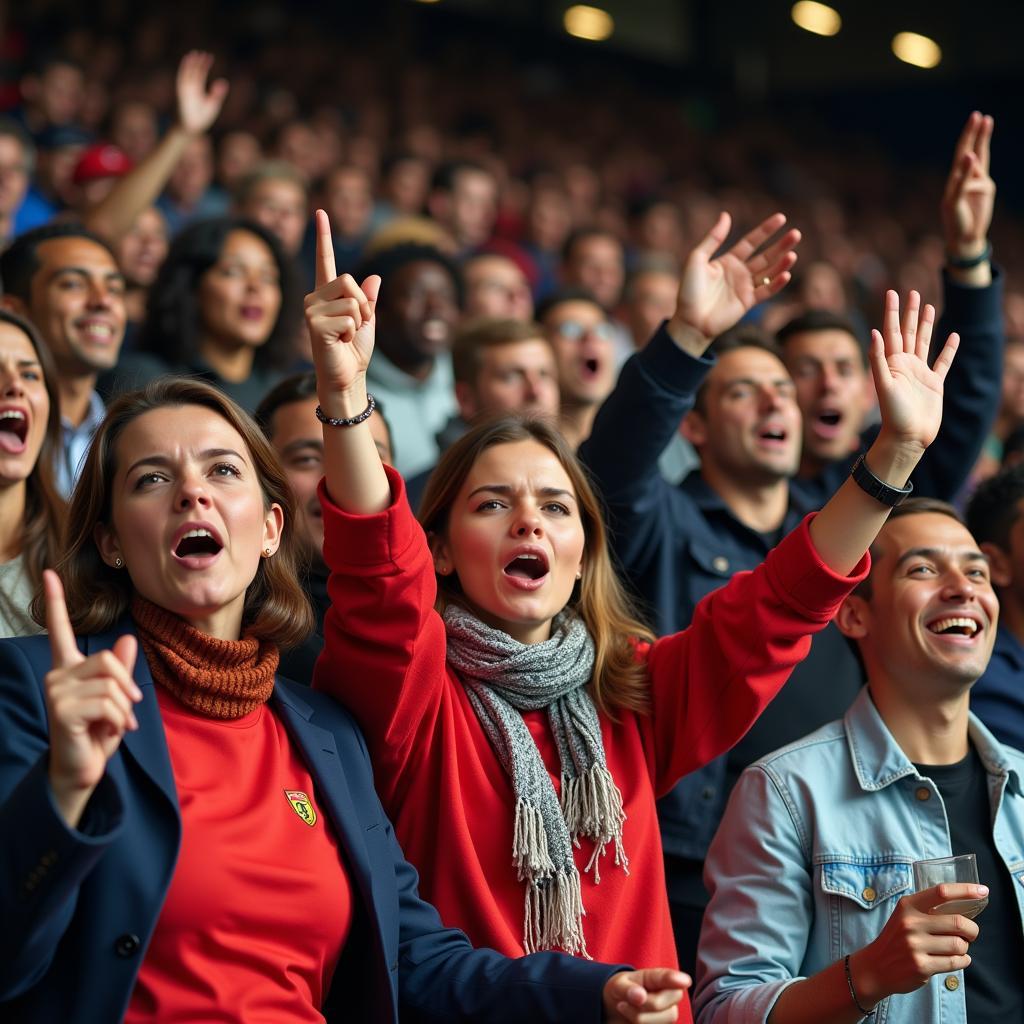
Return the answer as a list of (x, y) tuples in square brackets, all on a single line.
[(522, 731)]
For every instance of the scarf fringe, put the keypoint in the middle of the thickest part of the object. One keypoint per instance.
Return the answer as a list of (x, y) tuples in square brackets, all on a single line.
[(530, 844), (554, 915), (592, 806)]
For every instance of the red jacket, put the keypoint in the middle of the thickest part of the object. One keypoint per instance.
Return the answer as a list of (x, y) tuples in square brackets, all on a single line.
[(441, 781)]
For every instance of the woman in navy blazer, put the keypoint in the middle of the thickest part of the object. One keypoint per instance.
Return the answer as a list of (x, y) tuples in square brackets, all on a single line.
[(85, 869)]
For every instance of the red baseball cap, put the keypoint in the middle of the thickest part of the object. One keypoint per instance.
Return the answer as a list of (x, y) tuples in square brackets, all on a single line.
[(101, 160)]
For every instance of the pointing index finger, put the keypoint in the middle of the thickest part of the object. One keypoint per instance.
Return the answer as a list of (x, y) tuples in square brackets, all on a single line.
[(63, 649), (325, 267)]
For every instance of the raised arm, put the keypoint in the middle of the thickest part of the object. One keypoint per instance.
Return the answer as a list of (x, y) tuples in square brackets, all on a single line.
[(657, 386), (198, 108)]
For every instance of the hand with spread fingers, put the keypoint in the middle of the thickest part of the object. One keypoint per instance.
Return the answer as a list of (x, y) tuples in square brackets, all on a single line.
[(969, 197), (909, 391), (89, 704), (198, 107), (651, 996), (716, 291)]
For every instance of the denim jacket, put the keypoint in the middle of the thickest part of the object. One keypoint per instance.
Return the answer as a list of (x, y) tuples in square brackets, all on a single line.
[(814, 852)]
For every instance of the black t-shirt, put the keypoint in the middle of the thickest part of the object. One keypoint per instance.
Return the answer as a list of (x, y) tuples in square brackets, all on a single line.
[(994, 985)]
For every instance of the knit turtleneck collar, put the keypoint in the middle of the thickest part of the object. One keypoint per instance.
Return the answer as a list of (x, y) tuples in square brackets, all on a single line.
[(218, 678)]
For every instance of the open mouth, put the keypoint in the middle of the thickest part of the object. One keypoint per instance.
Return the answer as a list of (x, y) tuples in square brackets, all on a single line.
[(530, 567), (591, 368), (772, 435), (955, 625), (197, 543), (13, 429), (96, 331), (827, 423)]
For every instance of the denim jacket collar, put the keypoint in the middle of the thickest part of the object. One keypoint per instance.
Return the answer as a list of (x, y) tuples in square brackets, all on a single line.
[(878, 760)]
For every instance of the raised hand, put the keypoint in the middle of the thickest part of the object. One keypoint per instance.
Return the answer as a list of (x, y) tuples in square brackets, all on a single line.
[(339, 315), (970, 192), (198, 107), (715, 293), (89, 704), (916, 944), (909, 392), (651, 996)]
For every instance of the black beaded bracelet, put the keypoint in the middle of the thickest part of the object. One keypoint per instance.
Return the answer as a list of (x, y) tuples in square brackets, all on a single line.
[(853, 992), (351, 421), (958, 263)]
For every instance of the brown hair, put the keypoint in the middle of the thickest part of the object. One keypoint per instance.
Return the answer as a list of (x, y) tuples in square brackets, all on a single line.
[(619, 679), (43, 522), (276, 608), (910, 507), (489, 332)]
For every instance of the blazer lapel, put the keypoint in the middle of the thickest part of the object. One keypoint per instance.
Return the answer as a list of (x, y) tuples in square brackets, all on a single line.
[(321, 754), (147, 745)]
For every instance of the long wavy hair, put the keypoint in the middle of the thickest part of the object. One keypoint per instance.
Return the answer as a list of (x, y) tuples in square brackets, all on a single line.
[(276, 607), (45, 510), (619, 680), (173, 327)]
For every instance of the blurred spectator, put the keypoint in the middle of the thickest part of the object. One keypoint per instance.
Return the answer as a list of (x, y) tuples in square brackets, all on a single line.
[(17, 162), (405, 182), (275, 195), (583, 339), (296, 143), (464, 200), (224, 306), (348, 200), (133, 129), (53, 189), (593, 259), (140, 252), (66, 281), (237, 154), (496, 287), (188, 196), (411, 372), (97, 169), (31, 510), (51, 94), (650, 298)]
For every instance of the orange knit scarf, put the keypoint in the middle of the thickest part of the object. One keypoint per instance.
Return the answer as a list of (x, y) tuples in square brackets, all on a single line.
[(218, 678)]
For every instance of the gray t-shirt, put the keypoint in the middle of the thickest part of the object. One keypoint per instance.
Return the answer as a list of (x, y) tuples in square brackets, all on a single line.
[(15, 598)]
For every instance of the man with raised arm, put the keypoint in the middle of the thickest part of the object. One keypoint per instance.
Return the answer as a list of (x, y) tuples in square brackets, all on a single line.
[(813, 915), (677, 543)]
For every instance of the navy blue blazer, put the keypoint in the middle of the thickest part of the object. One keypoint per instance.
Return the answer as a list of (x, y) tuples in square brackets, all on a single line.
[(78, 906)]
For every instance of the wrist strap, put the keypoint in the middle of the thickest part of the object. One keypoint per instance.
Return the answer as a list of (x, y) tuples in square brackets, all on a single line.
[(853, 991), (351, 421), (958, 263), (878, 489)]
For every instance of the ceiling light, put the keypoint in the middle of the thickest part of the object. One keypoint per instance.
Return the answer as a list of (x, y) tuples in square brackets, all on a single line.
[(820, 19), (915, 49), (585, 22)]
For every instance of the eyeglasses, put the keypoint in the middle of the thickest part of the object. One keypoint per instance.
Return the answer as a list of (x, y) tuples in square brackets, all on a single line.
[(573, 330)]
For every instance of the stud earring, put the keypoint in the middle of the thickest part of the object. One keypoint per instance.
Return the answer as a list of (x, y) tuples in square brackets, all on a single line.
[(267, 552), (579, 574), (118, 563)]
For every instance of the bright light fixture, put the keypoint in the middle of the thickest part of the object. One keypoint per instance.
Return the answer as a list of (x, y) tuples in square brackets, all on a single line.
[(915, 49), (820, 19), (591, 23)]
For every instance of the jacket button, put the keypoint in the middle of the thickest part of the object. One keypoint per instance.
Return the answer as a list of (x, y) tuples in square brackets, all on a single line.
[(720, 563), (127, 945), (952, 982), (869, 894), (707, 793), (923, 793)]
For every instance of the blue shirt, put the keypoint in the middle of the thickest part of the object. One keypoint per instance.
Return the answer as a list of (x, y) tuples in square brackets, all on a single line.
[(75, 444), (998, 696), (816, 848)]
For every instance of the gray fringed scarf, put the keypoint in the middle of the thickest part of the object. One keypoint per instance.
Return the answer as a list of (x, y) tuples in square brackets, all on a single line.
[(503, 676)]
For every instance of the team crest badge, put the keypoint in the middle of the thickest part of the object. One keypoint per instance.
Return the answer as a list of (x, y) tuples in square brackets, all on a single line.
[(302, 805)]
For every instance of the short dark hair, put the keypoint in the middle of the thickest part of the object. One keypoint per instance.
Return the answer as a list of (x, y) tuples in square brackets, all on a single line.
[(20, 262), (389, 261), (472, 339), (740, 336), (446, 173), (564, 295), (578, 235), (910, 507), (11, 129), (995, 507), (267, 170), (172, 330), (814, 320)]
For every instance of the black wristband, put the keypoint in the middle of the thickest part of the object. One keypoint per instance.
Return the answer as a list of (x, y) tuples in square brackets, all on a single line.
[(958, 263), (853, 991), (332, 421), (878, 489)]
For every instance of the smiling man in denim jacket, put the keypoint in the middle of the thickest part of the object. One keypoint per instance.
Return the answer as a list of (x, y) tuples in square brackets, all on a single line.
[(813, 916)]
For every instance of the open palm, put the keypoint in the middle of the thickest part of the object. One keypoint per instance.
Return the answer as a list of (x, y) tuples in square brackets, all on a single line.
[(909, 391)]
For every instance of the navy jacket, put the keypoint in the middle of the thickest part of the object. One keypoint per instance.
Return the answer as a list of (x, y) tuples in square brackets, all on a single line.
[(78, 907), (997, 698), (677, 543)]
